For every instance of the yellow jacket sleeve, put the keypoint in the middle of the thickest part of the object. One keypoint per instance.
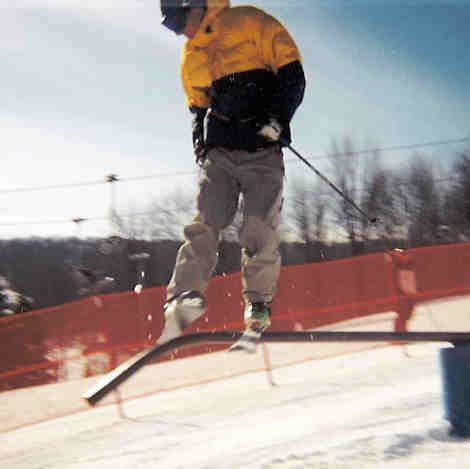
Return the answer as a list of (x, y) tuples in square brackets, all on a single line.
[(195, 78)]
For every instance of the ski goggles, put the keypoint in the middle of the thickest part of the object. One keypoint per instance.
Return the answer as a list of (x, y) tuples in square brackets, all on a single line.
[(175, 18)]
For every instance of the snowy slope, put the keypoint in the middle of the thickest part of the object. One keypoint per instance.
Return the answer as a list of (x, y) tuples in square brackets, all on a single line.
[(372, 409)]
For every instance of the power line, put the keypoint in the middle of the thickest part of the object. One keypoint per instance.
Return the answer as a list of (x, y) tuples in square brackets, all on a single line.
[(188, 173), (94, 183), (51, 222), (62, 221), (411, 146), (159, 176), (151, 212), (113, 178), (403, 183), (51, 187)]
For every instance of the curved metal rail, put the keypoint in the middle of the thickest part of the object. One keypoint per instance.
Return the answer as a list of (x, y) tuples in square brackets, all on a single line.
[(117, 376)]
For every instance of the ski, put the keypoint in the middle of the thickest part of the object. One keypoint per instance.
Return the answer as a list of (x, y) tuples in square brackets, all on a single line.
[(248, 342)]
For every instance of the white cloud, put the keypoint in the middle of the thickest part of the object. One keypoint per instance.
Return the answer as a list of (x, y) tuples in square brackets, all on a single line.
[(35, 156), (91, 87), (140, 16)]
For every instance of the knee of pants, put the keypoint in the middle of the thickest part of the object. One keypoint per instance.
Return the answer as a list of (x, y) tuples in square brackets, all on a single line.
[(256, 236), (198, 232)]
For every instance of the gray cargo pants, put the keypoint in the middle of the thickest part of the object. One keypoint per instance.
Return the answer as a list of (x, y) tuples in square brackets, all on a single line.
[(226, 174)]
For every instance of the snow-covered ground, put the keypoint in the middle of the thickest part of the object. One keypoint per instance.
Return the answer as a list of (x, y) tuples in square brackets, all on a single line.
[(379, 408)]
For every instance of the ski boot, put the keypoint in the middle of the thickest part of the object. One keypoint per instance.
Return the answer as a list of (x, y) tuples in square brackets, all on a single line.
[(179, 313), (257, 320)]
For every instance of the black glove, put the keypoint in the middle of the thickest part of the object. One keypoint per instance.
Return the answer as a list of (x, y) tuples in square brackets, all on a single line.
[(200, 149), (200, 152)]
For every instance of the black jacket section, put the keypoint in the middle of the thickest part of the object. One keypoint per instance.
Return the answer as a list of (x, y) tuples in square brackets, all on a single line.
[(243, 96), (242, 102)]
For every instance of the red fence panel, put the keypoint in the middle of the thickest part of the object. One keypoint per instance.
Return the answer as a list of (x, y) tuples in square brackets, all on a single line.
[(93, 335), (318, 294), (442, 270)]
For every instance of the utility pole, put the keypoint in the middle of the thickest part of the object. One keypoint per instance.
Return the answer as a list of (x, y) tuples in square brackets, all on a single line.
[(140, 259), (78, 223), (113, 216)]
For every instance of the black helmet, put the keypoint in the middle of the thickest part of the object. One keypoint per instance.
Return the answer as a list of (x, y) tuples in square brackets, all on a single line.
[(175, 13)]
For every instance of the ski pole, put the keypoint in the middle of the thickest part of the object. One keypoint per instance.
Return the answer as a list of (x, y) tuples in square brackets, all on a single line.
[(333, 186)]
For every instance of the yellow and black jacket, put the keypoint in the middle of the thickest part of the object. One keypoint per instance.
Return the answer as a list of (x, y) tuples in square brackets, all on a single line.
[(243, 66)]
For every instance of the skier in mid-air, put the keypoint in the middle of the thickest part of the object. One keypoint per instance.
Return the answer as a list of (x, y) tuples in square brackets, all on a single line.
[(243, 79)]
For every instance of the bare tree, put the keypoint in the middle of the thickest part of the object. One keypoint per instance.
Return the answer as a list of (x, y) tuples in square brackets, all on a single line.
[(457, 203), (380, 200), (306, 216), (132, 225), (161, 219), (348, 177), (424, 203), (168, 216)]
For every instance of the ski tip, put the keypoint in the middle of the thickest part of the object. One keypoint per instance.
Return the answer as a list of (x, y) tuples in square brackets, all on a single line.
[(243, 346)]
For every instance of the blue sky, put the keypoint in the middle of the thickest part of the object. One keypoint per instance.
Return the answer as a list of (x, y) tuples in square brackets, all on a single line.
[(92, 88)]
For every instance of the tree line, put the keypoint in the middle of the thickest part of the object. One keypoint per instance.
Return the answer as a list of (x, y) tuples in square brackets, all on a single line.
[(417, 204)]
